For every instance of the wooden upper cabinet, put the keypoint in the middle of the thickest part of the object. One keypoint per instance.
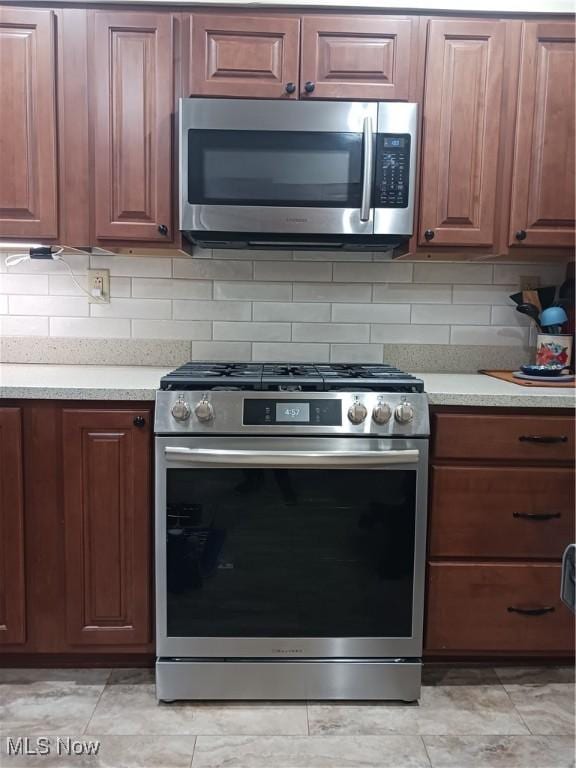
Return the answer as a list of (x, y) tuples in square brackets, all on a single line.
[(357, 57), (244, 56), (28, 157), (462, 122), (133, 101), (12, 584), (107, 521), (543, 180)]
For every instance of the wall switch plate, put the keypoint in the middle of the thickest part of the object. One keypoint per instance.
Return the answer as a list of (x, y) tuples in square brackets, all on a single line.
[(98, 285), (529, 282)]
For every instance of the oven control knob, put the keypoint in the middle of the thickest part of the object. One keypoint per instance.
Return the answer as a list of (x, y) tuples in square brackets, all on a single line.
[(204, 411), (181, 410), (382, 413), (357, 413), (404, 413)]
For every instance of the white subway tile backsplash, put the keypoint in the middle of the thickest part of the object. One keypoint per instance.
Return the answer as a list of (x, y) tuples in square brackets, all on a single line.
[(133, 266), (211, 310), (371, 313), (386, 272), (148, 309), (410, 334), (28, 284), (456, 272), (171, 329), (20, 325), (510, 274), (48, 305), (312, 313), (235, 331), (480, 294), (90, 327), (330, 332), (291, 352), (212, 269), (508, 316), (413, 293), (332, 292), (63, 285), (253, 290), (163, 288), (232, 351), (3, 305), (447, 314), (356, 353), (332, 256), (489, 336), (292, 272)]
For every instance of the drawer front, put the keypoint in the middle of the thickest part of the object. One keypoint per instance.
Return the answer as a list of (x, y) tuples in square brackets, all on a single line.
[(504, 512), (518, 438), (469, 608)]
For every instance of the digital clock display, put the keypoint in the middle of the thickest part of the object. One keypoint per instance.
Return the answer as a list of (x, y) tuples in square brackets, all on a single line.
[(298, 412)]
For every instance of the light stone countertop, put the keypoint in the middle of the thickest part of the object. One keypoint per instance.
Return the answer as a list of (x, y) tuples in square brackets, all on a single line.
[(98, 382)]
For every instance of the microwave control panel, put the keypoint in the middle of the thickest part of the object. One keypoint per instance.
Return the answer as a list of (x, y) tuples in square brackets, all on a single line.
[(392, 170)]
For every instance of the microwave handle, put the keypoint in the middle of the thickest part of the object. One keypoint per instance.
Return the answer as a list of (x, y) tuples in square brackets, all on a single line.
[(368, 170)]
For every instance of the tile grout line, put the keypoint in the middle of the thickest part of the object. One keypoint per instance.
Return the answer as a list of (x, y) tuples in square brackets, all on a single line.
[(193, 751), (98, 702), (514, 707), (421, 737)]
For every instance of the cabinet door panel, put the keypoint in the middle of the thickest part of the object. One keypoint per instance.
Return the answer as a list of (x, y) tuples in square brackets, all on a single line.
[(367, 57), (28, 190), (12, 585), (132, 78), (253, 57), (543, 180), (107, 523), (462, 121)]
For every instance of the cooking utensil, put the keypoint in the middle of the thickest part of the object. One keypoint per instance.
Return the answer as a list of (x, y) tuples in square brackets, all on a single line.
[(553, 316), (531, 297), (531, 311)]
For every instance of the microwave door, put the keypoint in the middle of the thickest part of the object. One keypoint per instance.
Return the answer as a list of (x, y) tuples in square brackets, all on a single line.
[(279, 168)]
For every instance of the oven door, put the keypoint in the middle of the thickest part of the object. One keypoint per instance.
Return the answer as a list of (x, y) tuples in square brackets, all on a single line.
[(290, 547), (277, 167)]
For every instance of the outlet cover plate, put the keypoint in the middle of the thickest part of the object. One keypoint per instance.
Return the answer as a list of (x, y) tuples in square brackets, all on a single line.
[(94, 277)]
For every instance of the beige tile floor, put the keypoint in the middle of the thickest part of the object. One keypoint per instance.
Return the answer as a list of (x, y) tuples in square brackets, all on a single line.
[(513, 717)]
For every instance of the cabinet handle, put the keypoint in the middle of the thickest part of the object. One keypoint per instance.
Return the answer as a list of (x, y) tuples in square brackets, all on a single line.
[(531, 611), (290, 87), (537, 515), (309, 86), (521, 234), (162, 229), (139, 421), (546, 439), (429, 234)]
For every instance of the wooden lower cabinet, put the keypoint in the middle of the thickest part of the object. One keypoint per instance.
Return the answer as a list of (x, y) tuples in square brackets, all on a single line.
[(12, 573), (476, 607), (107, 525), (77, 524)]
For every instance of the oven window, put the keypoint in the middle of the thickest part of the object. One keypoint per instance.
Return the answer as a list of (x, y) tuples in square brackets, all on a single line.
[(290, 168), (290, 553)]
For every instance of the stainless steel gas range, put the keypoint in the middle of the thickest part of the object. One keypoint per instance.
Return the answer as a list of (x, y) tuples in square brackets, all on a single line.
[(290, 532)]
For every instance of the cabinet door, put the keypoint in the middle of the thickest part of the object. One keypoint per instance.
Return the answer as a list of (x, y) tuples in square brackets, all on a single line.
[(362, 57), (462, 121), (28, 189), (249, 56), (12, 586), (543, 181), (133, 97), (107, 519)]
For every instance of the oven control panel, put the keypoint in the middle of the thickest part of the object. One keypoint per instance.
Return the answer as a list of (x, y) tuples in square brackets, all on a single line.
[(392, 170), (319, 413)]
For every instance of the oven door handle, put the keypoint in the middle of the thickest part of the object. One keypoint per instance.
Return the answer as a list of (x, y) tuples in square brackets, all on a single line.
[(215, 456), (368, 170)]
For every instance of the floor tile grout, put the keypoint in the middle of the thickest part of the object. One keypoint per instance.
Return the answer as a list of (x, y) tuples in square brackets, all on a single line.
[(85, 731)]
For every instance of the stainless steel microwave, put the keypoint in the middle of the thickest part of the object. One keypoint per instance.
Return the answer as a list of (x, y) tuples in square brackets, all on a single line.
[(264, 173)]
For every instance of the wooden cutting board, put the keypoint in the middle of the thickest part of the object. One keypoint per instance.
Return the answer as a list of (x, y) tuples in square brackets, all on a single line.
[(507, 376)]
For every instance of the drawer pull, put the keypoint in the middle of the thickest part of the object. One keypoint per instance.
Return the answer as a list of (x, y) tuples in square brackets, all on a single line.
[(549, 439), (537, 515), (531, 611)]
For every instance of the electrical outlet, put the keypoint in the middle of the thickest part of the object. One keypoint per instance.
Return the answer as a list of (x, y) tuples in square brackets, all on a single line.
[(99, 286), (529, 282)]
